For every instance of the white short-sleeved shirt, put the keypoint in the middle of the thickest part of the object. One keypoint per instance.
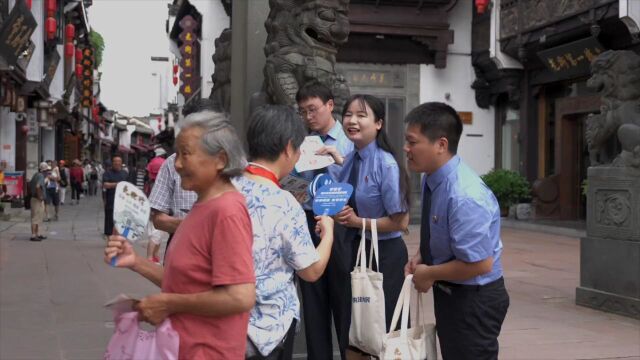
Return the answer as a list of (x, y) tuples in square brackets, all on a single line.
[(281, 245)]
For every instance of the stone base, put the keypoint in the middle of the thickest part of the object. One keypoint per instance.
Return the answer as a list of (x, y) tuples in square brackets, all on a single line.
[(604, 301)]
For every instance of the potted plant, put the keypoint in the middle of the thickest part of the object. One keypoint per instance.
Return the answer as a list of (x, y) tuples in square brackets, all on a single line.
[(508, 186)]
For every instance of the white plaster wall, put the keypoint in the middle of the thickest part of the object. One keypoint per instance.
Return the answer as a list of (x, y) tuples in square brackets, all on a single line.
[(456, 79), (56, 89), (8, 137), (214, 20), (48, 144)]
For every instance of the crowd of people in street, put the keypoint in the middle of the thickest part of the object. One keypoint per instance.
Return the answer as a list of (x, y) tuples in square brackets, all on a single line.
[(238, 244)]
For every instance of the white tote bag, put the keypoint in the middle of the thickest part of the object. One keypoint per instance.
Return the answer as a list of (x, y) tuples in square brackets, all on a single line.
[(417, 343), (368, 324)]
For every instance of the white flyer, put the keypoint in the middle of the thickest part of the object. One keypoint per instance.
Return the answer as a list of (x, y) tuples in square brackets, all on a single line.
[(308, 158)]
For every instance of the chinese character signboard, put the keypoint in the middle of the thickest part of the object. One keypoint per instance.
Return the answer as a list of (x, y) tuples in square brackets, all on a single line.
[(86, 80), (189, 62), (573, 59), (15, 32)]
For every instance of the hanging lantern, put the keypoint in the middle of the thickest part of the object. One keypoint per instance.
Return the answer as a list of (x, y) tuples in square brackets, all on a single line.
[(78, 71), (481, 6), (51, 7), (28, 3), (69, 32), (175, 81), (69, 49), (78, 56), (94, 112), (175, 69), (51, 27)]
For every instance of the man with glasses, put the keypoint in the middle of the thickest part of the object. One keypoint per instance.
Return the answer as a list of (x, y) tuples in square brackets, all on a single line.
[(326, 296)]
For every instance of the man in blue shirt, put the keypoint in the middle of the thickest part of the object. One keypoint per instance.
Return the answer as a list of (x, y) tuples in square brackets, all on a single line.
[(460, 247), (331, 294)]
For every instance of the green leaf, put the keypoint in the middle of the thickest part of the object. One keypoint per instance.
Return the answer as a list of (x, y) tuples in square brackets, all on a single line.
[(508, 186), (97, 42)]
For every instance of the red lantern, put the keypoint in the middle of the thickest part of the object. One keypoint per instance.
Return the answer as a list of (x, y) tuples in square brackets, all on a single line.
[(78, 56), (481, 6), (51, 7), (94, 112), (175, 69), (50, 25), (28, 3), (78, 71), (69, 32), (69, 49), (175, 81)]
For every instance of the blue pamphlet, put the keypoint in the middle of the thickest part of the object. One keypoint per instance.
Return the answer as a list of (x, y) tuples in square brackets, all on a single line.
[(330, 199), (319, 181)]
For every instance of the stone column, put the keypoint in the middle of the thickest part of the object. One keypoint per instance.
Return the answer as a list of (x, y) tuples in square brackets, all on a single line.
[(610, 254), (247, 53)]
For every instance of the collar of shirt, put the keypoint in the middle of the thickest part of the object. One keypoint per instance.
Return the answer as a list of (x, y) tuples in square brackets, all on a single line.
[(333, 132), (368, 150), (437, 177)]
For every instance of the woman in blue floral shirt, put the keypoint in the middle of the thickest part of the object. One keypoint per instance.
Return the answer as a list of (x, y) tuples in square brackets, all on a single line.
[(282, 245)]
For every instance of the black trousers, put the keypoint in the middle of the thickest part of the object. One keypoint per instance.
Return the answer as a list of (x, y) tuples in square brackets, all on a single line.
[(76, 190), (469, 319), (329, 296), (108, 221)]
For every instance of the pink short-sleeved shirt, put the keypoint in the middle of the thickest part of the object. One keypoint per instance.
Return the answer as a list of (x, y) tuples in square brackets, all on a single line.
[(212, 247)]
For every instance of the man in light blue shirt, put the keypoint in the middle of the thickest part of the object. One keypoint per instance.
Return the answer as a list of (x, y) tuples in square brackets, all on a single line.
[(460, 247), (330, 296)]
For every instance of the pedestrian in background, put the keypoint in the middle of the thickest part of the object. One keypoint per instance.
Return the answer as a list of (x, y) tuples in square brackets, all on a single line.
[(52, 187), (92, 178), (64, 180), (37, 191), (460, 247), (110, 180), (77, 178)]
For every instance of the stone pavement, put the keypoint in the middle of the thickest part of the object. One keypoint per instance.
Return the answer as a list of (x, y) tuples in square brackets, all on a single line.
[(51, 295)]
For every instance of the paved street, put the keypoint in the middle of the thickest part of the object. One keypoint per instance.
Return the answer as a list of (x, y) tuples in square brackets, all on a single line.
[(51, 295)]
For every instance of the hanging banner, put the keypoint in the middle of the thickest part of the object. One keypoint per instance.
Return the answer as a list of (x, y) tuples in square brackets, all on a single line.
[(15, 32)]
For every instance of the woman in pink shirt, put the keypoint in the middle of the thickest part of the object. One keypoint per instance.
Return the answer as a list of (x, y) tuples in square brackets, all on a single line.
[(208, 281)]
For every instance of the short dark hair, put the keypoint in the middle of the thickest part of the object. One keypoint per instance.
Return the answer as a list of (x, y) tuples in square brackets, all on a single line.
[(437, 120), (198, 105), (271, 128), (314, 89)]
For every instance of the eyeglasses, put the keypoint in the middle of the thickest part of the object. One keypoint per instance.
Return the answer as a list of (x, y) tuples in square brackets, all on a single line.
[(312, 111)]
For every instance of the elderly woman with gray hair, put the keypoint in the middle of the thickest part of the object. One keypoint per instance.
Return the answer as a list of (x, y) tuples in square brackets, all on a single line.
[(282, 245), (208, 281)]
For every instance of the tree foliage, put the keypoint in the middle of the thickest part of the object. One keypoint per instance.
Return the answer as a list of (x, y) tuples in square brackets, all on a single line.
[(97, 43)]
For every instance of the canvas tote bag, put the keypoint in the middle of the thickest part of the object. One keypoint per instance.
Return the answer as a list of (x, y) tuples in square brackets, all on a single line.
[(417, 343), (368, 324)]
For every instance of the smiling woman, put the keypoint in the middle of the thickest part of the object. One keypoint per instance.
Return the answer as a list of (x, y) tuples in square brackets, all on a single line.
[(208, 283)]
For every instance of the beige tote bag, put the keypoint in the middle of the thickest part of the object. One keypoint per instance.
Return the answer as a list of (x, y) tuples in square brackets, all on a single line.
[(368, 325), (417, 343)]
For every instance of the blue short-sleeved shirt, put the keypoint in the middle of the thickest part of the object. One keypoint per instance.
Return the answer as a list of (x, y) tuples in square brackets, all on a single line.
[(464, 220), (337, 138), (281, 245), (378, 186)]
